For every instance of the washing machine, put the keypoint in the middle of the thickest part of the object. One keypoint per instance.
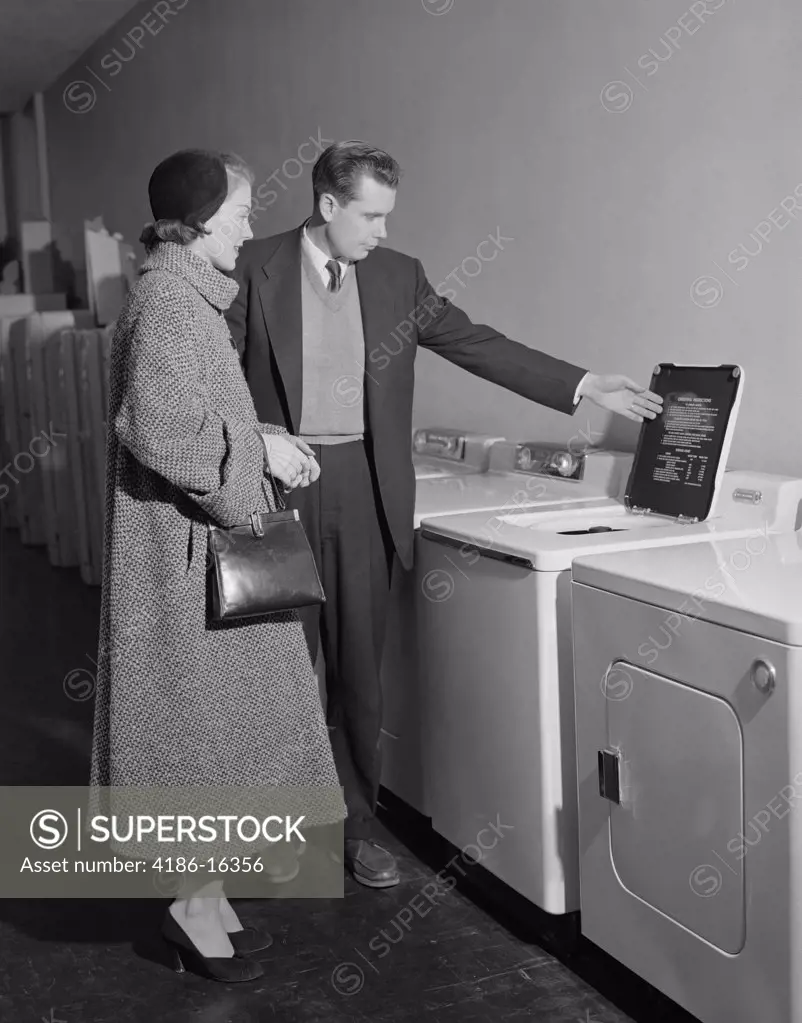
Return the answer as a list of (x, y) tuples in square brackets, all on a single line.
[(494, 629), (519, 475), (688, 668), (440, 451)]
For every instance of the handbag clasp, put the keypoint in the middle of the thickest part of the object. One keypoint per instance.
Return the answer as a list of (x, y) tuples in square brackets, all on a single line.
[(256, 524)]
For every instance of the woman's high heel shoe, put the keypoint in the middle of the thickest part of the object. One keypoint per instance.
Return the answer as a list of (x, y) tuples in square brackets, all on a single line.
[(249, 940), (228, 970)]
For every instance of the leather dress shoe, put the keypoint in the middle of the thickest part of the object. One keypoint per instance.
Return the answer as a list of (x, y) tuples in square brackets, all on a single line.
[(370, 864)]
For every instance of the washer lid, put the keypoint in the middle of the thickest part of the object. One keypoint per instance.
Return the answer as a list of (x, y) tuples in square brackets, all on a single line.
[(752, 584), (682, 454), (499, 493)]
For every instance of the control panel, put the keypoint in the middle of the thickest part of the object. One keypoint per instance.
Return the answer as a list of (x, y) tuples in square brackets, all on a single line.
[(439, 444), (549, 460)]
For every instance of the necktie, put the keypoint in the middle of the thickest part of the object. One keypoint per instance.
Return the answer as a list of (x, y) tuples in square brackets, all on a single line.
[(335, 270)]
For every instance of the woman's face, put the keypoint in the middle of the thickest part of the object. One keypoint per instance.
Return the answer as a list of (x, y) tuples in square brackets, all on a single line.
[(229, 227)]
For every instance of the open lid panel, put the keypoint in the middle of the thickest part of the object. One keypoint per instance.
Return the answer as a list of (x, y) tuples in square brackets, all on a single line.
[(682, 454)]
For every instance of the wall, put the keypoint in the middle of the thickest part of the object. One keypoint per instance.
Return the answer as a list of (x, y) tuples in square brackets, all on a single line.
[(613, 202), (20, 194), (4, 190)]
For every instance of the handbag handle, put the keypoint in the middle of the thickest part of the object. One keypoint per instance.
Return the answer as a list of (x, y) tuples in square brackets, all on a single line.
[(281, 504)]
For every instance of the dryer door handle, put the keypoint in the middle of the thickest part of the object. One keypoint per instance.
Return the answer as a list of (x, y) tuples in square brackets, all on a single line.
[(485, 552), (610, 775)]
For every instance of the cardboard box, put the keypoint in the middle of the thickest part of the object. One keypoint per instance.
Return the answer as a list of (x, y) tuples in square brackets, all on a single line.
[(106, 271), (37, 257)]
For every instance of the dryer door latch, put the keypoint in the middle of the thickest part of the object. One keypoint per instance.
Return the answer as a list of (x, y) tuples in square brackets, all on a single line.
[(609, 776), (764, 676)]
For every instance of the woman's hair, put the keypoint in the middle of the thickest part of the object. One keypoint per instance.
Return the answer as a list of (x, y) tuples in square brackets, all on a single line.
[(183, 233)]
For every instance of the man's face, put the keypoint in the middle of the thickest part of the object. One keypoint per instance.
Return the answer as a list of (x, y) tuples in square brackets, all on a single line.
[(356, 229)]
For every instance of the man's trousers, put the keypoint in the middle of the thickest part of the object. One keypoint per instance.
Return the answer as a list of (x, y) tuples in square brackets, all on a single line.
[(345, 524)]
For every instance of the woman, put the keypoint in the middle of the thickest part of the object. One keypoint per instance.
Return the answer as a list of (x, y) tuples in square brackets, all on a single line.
[(182, 701)]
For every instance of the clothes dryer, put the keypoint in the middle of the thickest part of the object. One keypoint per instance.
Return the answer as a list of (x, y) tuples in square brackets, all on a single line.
[(688, 674)]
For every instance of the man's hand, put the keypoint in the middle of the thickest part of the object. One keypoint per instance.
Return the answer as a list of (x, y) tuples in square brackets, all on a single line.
[(622, 395)]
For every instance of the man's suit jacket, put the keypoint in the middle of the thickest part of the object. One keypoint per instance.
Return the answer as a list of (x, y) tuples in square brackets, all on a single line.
[(400, 310)]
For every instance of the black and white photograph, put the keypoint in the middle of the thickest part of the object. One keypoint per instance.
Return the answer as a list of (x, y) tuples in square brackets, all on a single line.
[(400, 511)]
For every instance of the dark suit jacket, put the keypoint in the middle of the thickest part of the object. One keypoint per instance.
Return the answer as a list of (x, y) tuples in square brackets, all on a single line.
[(400, 310)]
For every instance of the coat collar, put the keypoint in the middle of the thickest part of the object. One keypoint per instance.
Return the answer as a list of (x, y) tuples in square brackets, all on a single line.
[(219, 290)]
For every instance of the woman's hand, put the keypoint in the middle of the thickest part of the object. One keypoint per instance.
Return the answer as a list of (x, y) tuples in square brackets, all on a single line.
[(288, 460), (314, 468)]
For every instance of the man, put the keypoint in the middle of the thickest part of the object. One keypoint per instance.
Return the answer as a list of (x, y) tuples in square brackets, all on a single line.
[(318, 324)]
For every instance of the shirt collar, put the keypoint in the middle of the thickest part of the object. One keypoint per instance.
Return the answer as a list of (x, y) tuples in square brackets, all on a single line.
[(318, 256), (219, 290)]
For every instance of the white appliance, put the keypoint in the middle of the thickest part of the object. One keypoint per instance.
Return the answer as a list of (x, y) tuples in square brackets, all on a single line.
[(494, 637), (438, 452), (689, 747), (521, 475), (48, 411)]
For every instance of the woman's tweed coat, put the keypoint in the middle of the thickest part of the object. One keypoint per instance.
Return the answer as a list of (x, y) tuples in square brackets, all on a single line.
[(179, 700)]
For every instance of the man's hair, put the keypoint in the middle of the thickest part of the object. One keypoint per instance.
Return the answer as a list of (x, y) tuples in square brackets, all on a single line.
[(339, 168)]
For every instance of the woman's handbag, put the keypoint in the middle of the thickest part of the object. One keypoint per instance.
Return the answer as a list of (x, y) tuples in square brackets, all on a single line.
[(263, 567)]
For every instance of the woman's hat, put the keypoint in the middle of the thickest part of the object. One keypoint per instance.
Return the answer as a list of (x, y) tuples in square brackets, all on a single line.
[(190, 186)]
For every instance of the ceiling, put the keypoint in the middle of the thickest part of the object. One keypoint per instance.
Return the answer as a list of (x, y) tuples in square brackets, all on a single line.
[(40, 39)]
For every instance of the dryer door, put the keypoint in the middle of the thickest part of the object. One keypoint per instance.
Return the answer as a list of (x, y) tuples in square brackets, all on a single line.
[(673, 771)]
